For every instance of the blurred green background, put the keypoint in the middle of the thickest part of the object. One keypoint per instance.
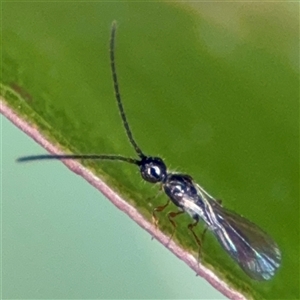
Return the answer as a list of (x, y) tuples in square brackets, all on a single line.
[(213, 88)]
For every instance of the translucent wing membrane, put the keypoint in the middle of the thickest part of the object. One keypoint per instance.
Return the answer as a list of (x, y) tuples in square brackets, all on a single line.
[(254, 250)]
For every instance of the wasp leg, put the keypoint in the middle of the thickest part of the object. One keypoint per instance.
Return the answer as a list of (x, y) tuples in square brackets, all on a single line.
[(156, 210), (171, 216), (198, 241), (191, 228)]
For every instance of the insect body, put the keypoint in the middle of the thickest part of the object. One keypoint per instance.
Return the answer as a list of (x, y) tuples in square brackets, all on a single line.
[(255, 252)]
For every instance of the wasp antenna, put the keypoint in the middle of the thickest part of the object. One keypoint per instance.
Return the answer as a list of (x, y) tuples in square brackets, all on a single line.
[(78, 156), (117, 91)]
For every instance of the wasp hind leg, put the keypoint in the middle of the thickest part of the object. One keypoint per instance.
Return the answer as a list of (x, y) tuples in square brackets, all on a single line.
[(198, 241)]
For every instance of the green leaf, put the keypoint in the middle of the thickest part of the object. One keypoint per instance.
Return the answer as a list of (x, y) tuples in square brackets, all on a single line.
[(212, 88)]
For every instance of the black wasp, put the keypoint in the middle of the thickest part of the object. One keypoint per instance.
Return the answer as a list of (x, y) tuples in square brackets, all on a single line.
[(255, 251)]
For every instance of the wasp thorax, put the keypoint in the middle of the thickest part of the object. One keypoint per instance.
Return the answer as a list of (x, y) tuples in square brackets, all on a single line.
[(153, 169)]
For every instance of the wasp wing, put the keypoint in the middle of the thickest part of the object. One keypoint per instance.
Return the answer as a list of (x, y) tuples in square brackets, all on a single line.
[(253, 249)]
